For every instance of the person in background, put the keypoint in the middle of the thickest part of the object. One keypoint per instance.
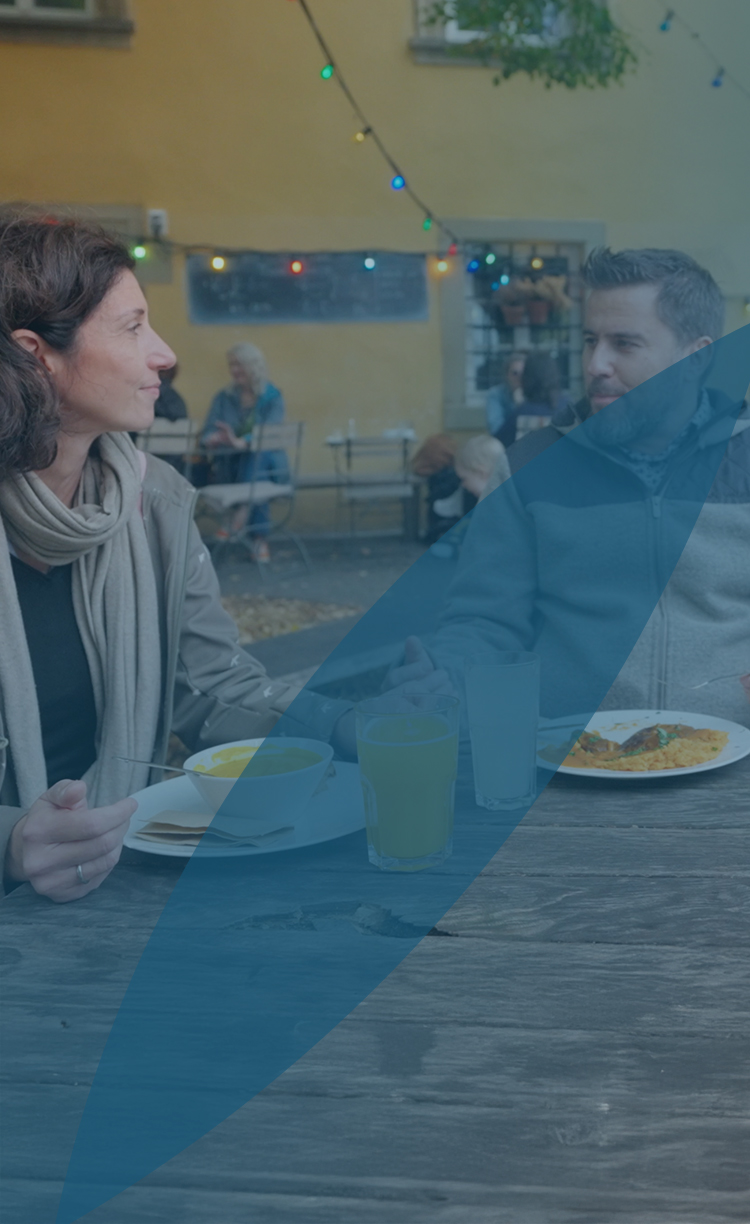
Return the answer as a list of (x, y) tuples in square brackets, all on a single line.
[(249, 401), (477, 460), (503, 401), (542, 397), (434, 462), (170, 405)]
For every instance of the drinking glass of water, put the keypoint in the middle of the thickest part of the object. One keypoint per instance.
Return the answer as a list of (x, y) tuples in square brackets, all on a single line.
[(502, 697)]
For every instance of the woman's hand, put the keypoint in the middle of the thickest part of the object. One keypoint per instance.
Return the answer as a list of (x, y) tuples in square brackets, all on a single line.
[(60, 833), (228, 437)]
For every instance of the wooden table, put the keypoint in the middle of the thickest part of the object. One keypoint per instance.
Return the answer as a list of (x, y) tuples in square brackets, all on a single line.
[(576, 1053)]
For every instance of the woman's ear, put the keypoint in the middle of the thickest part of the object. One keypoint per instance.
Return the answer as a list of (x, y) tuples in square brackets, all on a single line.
[(32, 343)]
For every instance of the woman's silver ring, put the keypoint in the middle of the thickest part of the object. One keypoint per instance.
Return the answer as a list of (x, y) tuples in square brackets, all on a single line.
[(80, 875)]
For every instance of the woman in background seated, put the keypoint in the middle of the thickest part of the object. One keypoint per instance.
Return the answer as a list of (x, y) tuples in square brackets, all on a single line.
[(477, 460), (236, 410), (542, 397), (113, 633), (503, 401)]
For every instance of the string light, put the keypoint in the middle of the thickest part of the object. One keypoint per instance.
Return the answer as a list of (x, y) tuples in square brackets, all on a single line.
[(473, 265), (490, 258), (441, 266), (537, 263), (331, 70), (139, 252), (720, 74), (296, 267), (453, 248), (218, 263), (505, 279), (370, 263), (427, 224)]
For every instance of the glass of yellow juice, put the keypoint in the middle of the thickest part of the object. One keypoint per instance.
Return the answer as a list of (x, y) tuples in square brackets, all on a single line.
[(408, 757)]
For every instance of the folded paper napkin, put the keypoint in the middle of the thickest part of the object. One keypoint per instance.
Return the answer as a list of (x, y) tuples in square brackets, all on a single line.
[(188, 828)]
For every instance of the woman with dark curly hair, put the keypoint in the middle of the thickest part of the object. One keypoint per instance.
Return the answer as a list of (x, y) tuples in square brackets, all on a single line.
[(113, 632)]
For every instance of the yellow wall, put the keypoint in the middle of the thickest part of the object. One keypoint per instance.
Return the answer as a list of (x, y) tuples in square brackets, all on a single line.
[(218, 114)]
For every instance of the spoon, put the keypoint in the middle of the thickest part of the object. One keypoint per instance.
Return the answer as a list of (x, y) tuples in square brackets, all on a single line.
[(199, 773)]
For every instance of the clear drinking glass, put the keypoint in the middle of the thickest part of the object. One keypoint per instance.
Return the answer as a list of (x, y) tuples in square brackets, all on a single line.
[(408, 757), (502, 697)]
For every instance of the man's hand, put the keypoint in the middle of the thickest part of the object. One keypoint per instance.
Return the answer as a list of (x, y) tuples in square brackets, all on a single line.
[(417, 673), (58, 834)]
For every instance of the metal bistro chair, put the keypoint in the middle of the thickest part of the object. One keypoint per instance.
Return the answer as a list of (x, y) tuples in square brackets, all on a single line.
[(224, 499), (389, 480), (171, 440)]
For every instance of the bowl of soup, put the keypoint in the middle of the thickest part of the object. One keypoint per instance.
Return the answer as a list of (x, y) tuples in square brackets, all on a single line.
[(259, 783)]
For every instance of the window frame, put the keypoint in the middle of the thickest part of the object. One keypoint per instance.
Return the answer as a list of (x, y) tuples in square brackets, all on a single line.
[(104, 23), (27, 10), (454, 324)]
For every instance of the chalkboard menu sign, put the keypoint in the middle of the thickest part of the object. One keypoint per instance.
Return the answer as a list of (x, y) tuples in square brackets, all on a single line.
[(319, 287)]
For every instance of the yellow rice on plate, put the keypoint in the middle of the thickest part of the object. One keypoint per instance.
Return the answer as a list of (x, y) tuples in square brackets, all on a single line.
[(677, 754)]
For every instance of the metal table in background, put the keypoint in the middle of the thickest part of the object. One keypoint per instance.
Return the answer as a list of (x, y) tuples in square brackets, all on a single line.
[(571, 1044)]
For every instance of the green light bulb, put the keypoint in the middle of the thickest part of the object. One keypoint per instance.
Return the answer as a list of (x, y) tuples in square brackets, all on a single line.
[(427, 223), (327, 72), (139, 252)]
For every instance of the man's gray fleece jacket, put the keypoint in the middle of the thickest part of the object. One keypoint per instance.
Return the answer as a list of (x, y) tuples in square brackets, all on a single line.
[(630, 597)]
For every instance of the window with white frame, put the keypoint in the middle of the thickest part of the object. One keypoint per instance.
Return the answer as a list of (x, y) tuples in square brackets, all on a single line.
[(442, 41), (42, 9)]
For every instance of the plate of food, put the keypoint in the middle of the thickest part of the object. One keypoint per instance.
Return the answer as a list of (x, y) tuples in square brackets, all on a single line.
[(634, 745)]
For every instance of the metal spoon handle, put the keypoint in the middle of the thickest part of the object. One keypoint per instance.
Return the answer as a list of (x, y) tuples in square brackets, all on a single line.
[(152, 765)]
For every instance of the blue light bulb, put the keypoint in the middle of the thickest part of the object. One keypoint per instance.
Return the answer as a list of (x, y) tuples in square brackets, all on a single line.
[(505, 279), (718, 80), (398, 182), (473, 266), (369, 263)]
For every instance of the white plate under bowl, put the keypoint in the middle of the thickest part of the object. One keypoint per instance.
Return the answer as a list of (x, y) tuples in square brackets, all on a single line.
[(620, 724), (335, 812)]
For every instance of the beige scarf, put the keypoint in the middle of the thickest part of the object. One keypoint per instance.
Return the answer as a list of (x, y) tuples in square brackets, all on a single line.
[(114, 596)]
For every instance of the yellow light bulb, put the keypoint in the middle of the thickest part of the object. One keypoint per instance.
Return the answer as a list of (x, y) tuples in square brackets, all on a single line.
[(537, 263), (360, 137), (218, 263), (441, 266)]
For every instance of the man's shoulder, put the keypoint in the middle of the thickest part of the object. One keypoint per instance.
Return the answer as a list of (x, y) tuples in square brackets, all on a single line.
[(531, 445)]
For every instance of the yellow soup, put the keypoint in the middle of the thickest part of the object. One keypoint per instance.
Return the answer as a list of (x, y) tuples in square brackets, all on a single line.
[(232, 762)]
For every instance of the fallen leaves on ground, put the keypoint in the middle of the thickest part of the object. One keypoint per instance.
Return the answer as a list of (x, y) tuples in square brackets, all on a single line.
[(258, 616)]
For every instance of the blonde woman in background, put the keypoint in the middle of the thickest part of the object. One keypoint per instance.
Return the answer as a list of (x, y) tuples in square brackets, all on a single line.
[(479, 460), (250, 400)]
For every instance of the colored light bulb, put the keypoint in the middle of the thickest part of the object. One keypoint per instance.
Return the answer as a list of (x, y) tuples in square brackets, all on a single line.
[(473, 265), (327, 72), (218, 263), (398, 182), (490, 258), (718, 80), (453, 248), (370, 263), (296, 266), (505, 279), (441, 266), (139, 252), (427, 223), (537, 263)]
